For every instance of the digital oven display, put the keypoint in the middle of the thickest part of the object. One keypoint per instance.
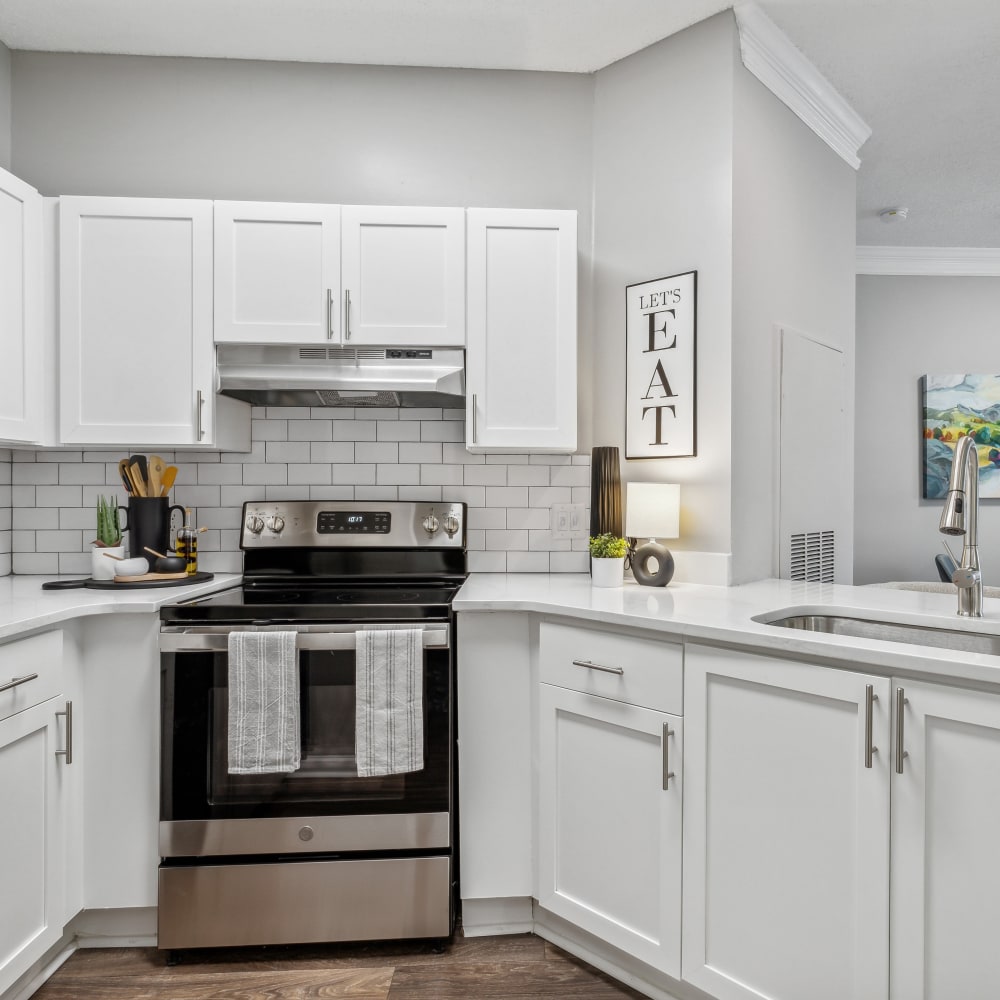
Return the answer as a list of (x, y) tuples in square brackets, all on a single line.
[(353, 522)]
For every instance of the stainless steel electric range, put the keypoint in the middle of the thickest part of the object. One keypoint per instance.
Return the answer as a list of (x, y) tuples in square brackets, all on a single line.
[(319, 853)]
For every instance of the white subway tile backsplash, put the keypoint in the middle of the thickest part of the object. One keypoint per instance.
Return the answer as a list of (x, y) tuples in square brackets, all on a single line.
[(339, 454)]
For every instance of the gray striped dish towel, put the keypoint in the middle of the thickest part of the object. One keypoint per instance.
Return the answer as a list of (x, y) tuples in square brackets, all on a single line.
[(263, 703), (389, 705)]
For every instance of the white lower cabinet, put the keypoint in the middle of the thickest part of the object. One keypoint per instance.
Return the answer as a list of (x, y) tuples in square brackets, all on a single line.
[(786, 829), (609, 822), (945, 918), (37, 823)]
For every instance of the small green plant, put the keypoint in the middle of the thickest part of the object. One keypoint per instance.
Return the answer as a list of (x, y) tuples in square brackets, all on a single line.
[(608, 546), (109, 532)]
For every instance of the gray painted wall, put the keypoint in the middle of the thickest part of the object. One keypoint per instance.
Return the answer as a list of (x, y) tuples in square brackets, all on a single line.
[(265, 131), (5, 105), (908, 327), (793, 265), (662, 195)]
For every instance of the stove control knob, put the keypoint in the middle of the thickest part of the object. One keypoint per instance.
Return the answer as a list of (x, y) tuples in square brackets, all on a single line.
[(276, 523), (255, 524), (451, 525), (431, 524)]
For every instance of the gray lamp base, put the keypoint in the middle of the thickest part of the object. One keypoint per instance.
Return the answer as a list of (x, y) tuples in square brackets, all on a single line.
[(640, 564)]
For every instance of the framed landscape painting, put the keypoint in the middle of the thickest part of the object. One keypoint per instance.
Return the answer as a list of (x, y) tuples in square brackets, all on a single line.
[(956, 405)]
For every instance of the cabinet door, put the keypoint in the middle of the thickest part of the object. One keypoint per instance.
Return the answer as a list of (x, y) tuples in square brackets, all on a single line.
[(609, 822), (403, 276), (521, 355), (786, 829), (277, 272), (136, 352), (945, 921), (31, 837), (22, 386)]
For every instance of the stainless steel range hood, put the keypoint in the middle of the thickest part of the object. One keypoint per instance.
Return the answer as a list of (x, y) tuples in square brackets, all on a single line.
[(342, 376)]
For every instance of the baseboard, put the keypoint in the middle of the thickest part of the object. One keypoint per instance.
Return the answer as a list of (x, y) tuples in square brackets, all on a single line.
[(46, 967), (133, 927), (512, 915)]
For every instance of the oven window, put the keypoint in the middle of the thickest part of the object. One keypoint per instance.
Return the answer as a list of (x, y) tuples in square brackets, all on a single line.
[(195, 780)]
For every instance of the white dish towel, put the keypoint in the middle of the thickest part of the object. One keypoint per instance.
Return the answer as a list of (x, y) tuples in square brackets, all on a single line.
[(389, 706), (263, 703)]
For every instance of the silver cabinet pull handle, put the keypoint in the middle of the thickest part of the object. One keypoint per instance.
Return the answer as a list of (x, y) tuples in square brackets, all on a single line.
[(901, 700), (68, 752), (347, 314), (870, 698), (329, 314), (15, 681), (201, 408), (475, 420), (598, 666), (667, 773)]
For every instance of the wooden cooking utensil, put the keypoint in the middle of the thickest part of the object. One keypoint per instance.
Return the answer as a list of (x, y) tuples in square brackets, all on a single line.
[(167, 478), (126, 477), (138, 479), (156, 469)]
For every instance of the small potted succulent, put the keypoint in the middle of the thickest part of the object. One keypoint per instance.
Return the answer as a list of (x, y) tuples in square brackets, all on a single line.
[(108, 542), (607, 560)]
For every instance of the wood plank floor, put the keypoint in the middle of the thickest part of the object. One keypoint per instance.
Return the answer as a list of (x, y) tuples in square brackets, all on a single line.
[(518, 967)]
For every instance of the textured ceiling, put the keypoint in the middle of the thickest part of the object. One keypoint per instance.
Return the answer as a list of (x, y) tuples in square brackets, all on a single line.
[(924, 75)]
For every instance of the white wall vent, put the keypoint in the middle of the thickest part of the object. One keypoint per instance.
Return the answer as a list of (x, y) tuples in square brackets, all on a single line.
[(812, 556)]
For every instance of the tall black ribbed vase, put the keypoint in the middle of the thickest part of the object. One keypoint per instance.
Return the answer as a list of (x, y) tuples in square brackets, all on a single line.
[(605, 492)]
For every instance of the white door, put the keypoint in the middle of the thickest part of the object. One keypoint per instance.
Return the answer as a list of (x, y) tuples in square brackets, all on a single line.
[(136, 354), (403, 276), (786, 829), (521, 354), (277, 273), (31, 837), (22, 387), (945, 915), (610, 822)]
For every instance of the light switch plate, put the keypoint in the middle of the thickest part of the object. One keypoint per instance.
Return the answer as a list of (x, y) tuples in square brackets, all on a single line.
[(568, 520)]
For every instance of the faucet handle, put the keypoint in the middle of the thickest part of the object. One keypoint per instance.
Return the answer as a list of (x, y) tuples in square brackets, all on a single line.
[(964, 577)]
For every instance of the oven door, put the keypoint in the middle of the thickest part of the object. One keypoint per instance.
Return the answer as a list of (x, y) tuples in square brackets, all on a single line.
[(323, 806)]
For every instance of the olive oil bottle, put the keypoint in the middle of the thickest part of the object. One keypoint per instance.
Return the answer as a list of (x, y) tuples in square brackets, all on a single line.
[(187, 544)]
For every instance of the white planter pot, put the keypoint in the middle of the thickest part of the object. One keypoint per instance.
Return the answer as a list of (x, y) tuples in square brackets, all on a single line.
[(607, 572), (102, 567)]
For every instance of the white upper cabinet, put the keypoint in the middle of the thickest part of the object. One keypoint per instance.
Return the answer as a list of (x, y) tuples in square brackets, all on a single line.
[(277, 273), (22, 391), (403, 276), (521, 354), (137, 362)]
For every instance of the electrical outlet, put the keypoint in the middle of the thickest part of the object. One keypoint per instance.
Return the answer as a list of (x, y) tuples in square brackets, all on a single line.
[(568, 520)]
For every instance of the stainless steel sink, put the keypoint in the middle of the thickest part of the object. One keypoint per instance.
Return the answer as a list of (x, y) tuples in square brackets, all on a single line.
[(867, 628)]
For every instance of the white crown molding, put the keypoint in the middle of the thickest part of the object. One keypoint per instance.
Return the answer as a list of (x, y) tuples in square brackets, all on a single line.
[(768, 53), (977, 262)]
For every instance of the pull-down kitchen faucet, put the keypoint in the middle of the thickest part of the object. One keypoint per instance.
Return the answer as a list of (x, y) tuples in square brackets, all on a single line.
[(961, 517)]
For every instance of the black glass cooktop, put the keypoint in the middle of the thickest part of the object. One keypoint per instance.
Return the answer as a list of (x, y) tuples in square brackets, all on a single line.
[(309, 601)]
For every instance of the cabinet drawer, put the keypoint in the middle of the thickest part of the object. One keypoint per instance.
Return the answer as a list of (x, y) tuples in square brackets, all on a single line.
[(38, 654), (651, 672)]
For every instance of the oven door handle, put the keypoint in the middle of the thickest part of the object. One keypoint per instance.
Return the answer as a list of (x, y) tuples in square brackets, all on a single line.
[(195, 640)]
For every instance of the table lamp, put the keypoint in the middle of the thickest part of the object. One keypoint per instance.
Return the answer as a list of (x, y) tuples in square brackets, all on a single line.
[(652, 510)]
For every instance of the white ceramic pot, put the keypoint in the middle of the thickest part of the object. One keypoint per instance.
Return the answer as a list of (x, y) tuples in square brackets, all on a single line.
[(607, 572), (102, 567)]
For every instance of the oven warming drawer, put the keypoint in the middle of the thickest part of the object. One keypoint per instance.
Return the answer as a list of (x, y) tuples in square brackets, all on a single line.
[(304, 834), (215, 906)]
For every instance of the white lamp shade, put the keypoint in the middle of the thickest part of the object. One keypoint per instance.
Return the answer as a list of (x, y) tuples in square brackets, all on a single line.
[(652, 510)]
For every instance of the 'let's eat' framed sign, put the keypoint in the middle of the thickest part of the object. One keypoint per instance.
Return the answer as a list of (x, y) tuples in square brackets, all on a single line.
[(660, 367)]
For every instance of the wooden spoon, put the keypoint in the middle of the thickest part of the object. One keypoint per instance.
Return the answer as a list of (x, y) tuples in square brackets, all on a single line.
[(156, 470), (138, 480), (167, 478), (126, 477)]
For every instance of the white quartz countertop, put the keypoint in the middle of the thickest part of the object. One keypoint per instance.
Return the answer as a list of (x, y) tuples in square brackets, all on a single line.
[(725, 614), (24, 606)]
